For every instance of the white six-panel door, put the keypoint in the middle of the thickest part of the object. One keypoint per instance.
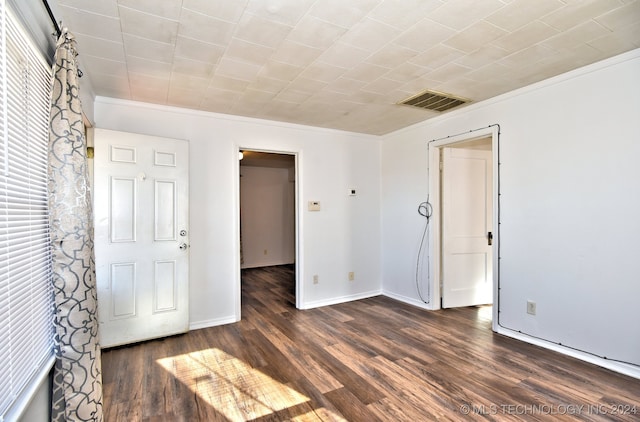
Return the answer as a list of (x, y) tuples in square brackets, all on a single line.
[(141, 207), (467, 218)]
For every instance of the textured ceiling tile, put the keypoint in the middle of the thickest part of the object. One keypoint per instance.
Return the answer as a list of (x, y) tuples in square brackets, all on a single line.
[(531, 33), (248, 52), (148, 26), (293, 96), (229, 84), (146, 88), (110, 50), (578, 12), (618, 42), (370, 35), (424, 35), (92, 24), (149, 95), (342, 13), (366, 72), (382, 86), (296, 54), (219, 100), (391, 55), (345, 86), (458, 14), (483, 56), (193, 68), (151, 82), (343, 55), (148, 49), (315, 32), (403, 14), (258, 30), (226, 10), (103, 7), (475, 36), (578, 35), (283, 71), (363, 96), (169, 9), (319, 74), (537, 54), (416, 86), (197, 50), (104, 66), (437, 56), (186, 82), (406, 71), (119, 90), (263, 83), (322, 72), (307, 85), (621, 17), (149, 67), (450, 70), (237, 69), (520, 12), (205, 28), (492, 72), (187, 98), (288, 12)]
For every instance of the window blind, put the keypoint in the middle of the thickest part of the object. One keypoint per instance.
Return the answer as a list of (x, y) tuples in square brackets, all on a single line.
[(26, 312)]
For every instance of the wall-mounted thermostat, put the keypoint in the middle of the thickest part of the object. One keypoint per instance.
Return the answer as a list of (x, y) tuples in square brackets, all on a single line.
[(314, 205)]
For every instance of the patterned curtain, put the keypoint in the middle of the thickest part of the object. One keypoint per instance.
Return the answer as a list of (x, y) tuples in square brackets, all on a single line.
[(77, 383)]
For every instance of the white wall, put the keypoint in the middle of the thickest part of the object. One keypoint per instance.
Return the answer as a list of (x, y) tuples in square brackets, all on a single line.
[(570, 201), (267, 203), (343, 237)]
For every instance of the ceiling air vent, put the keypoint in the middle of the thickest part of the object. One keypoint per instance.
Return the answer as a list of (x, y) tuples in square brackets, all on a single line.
[(436, 101)]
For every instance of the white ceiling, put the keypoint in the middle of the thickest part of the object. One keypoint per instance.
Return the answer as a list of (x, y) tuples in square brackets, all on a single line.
[(340, 64)]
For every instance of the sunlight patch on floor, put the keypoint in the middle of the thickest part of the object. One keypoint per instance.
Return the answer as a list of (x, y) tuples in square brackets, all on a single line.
[(485, 312), (229, 385)]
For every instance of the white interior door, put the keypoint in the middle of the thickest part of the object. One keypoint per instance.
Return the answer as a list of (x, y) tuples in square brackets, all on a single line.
[(467, 214), (141, 199)]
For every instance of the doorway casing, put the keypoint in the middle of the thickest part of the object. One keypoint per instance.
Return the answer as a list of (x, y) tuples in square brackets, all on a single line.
[(435, 199), (298, 224)]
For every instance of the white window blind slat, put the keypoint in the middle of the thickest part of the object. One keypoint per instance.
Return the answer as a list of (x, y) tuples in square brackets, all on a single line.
[(26, 311)]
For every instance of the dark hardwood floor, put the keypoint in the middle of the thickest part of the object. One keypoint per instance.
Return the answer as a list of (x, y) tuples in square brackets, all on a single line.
[(369, 360)]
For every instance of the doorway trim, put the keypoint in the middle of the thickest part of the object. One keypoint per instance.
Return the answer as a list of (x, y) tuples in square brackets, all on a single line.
[(298, 223), (435, 147)]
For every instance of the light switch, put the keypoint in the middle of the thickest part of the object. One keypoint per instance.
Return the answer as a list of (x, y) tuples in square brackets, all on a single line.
[(314, 205)]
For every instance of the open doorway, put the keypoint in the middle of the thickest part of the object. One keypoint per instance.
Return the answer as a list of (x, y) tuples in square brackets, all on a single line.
[(464, 239), (268, 240)]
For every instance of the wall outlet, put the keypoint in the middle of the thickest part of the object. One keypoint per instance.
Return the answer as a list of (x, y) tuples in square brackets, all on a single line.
[(531, 307), (315, 279), (352, 276), (314, 205)]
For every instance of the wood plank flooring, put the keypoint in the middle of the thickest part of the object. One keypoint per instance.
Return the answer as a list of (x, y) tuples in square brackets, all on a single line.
[(370, 360)]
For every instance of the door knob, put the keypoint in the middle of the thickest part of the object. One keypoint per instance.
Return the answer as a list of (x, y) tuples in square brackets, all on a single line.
[(490, 238), (183, 246)]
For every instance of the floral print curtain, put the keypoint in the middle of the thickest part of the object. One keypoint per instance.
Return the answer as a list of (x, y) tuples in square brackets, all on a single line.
[(77, 384)]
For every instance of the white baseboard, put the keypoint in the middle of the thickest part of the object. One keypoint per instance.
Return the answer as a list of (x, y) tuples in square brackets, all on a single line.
[(196, 325), (409, 300), (341, 299), (630, 370)]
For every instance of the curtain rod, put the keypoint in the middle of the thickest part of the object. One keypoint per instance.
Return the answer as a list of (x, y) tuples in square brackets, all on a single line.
[(53, 18), (56, 26)]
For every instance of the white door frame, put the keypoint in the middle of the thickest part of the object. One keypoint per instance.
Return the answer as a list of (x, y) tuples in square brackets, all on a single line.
[(435, 200), (298, 223)]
